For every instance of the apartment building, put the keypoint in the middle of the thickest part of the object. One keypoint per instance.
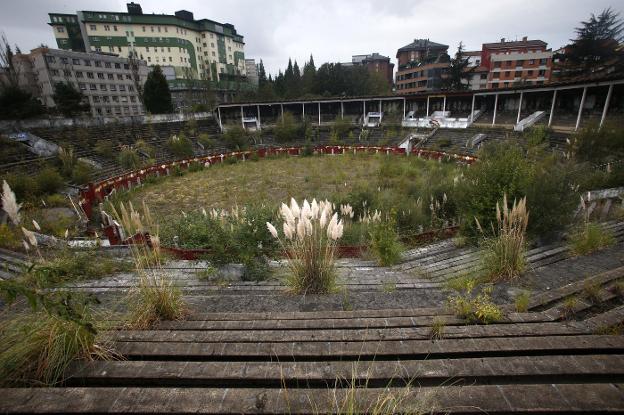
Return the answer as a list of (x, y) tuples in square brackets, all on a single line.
[(421, 65), (375, 63), (514, 63), (194, 49), (252, 71), (477, 73), (108, 82)]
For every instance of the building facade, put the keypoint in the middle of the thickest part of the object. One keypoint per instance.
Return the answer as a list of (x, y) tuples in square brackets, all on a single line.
[(252, 71), (194, 49), (477, 73), (421, 66), (109, 83), (517, 63)]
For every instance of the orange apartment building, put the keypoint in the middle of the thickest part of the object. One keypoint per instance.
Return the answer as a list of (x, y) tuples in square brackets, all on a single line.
[(421, 65), (515, 63)]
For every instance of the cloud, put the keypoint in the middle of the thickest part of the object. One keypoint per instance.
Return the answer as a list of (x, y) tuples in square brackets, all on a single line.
[(333, 30)]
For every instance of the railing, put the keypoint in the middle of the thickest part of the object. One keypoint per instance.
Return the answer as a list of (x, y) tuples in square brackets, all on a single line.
[(529, 121)]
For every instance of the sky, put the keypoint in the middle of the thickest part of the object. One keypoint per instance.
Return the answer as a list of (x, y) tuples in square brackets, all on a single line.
[(333, 30)]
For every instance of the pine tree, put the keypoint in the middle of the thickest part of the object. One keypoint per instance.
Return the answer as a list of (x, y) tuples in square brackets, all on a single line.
[(308, 79), (457, 71), (69, 101), (156, 94), (596, 45)]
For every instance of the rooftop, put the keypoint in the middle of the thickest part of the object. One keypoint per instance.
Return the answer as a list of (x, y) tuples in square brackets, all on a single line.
[(422, 44), (515, 43)]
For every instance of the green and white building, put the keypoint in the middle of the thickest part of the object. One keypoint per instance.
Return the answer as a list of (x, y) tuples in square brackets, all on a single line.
[(186, 48)]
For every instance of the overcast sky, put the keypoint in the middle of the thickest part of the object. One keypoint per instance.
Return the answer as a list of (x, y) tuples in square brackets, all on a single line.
[(333, 30)]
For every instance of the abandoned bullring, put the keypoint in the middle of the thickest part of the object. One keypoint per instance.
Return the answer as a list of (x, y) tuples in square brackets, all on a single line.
[(446, 251)]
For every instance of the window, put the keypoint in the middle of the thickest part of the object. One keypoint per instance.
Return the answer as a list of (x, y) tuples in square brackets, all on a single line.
[(497, 64), (213, 54), (518, 74), (98, 64), (115, 28), (120, 77), (543, 61), (519, 63), (530, 73), (506, 84), (76, 61), (130, 88), (90, 75), (122, 88), (132, 99), (92, 27), (152, 27), (55, 72), (113, 88), (128, 76), (60, 29), (95, 98), (124, 99), (107, 64), (105, 99), (100, 75), (79, 74), (102, 87), (212, 44), (119, 48), (87, 62), (495, 85), (117, 66), (50, 59), (147, 48), (66, 73), (110, 76), (126, 66), (158, 29), (115, 98), (483, 76), (149, 59), (496, 75), (169, 50), (165, 29), (82, 86), (93, 87), (532, 62), (170, 59), (107, 28), (144, 28), (542, 72)]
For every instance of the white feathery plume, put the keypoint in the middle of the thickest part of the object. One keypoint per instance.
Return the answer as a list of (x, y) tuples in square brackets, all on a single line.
[(26, 246), (301, 230), (30, 235), (272, 229), (288, 231), (36, 225), (294, 207), (9, 203), (315, 208)]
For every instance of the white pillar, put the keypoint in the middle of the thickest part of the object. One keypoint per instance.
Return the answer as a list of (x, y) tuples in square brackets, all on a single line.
[(427, 106), (552, 108), (519, 107), (472, 109), (282, 108), (606, 105), (303, 113), (242, 117), (403, 108), (495, 105), (380, 107), (444, 106), (259, 122), (219, 116), (578, 118), (341, 110), (364, 115), (319, 114)]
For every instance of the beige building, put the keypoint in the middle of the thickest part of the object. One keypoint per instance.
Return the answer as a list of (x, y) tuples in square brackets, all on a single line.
[(108, 82), (194, 49)]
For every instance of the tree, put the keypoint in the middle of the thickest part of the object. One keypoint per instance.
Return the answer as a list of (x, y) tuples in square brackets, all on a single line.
[(69, 101), (596, 45), (308, 79), (156, 94), (458, 71), (11, 72), (17, 104)]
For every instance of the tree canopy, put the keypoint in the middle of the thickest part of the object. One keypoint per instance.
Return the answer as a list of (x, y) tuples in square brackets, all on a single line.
[(69, 101), (458, 71), (156, 94)]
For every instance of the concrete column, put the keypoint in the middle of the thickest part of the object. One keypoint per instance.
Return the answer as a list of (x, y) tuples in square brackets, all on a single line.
[(242, 117), (403, 108), (341, 110), (427, 106), (303, 113), (219, 116), (606, 105), (578, 118), (472, 109), (259, 122), (364, 115), (495, 105), (519, 107), (282, 108), (444, 105), (552, 108), (319, 113), (379, 106)]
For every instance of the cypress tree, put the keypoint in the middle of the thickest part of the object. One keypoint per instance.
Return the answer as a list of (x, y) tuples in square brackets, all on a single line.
[(156, 94)]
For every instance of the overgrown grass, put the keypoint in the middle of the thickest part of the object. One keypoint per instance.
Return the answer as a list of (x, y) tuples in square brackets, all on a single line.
[(475, 305), (384, 243), (589, 238), (522, 302), (504, 252)]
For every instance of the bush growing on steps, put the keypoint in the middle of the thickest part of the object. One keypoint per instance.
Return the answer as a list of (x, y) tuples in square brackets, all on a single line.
[(236, 137), (287, 129), (81, 173), (129, 159), (385, 244), (180, 146), (503, 169)]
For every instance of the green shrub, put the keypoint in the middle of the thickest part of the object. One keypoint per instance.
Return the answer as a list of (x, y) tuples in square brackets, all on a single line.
[(129, 159), (341, 128), (24, 186), (255, 269), (287, 129), (142, 146), (205, 140), (236, 137), (82, 173), (444, 142), (195, 166), (595, 144), (476, 306), (589, 238), (105, 148), (522, 302), (9, 237), (254, 156), (385, 244), (56, 200), (180, 146), (49, 181), (68, 161), (230, 160)]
